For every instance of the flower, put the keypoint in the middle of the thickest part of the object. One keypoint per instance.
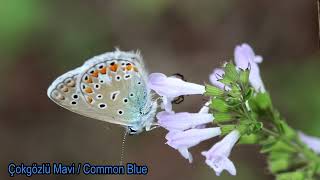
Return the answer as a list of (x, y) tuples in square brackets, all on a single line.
[(183, 120), (312, 142), (244, 58), (172, 87), (218, 156), (217, 75), (183, 140), (205, 109)]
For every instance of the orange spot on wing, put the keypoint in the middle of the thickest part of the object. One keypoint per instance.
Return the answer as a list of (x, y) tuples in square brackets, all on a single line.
[(103, 70), (129, 67), (95, 73), (90, 99), (114, 67), (88, 90), (89, 80)]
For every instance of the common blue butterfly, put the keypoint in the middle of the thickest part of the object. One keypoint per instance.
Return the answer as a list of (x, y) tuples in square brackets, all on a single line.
[(111, 87)]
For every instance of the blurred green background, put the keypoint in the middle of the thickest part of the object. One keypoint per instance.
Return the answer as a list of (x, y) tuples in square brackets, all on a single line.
[(40, 40)]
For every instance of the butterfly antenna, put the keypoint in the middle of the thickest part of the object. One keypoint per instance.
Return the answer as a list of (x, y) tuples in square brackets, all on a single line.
[(123, 146)]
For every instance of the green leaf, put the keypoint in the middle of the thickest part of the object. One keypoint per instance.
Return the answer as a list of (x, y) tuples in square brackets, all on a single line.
[(230, 72), (278, 155), (219, 105), (263, 100), (249, 94), (244, 76), (278, 146), (235, 91), (232, 102), (213, 91), (298, 175), (226, 129), (278, 165), (220, 117), (288, 131), (226, 80), (249, 139)]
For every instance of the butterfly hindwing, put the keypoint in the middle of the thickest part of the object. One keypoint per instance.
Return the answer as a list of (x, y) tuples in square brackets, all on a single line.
[(109, 87)]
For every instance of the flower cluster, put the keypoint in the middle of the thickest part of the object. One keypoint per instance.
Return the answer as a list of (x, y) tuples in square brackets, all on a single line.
[(189, 129), (240, 109)]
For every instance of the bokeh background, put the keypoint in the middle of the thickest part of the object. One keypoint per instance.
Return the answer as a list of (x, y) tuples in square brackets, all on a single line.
[(40, 40)]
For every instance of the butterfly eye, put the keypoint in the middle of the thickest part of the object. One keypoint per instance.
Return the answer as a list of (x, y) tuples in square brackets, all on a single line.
[(132, 131)]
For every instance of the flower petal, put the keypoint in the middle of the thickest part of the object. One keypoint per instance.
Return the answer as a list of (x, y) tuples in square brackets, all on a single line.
[(172, 87), (244, 58), (182, 120), (186, 154), (215, 76), (222, 164), (311, 141), (166, 104), (218, 156), (192, 137)]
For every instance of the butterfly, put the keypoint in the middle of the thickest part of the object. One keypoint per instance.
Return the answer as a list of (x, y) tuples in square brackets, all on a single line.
[(111, 87)]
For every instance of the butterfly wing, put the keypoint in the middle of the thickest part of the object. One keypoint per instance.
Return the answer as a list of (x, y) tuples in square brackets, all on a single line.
[(110, 87)]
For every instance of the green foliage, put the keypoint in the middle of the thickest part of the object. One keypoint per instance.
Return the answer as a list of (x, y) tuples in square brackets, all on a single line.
[(221, 117), (287, 130), (231, 73), (253, 115), (213, 91), (298, 175), (226, 129), (219, 105), (244, 76), (249, 139), (262, 101)]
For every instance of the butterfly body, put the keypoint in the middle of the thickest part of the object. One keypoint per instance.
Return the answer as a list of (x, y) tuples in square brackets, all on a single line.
[(111, 87)]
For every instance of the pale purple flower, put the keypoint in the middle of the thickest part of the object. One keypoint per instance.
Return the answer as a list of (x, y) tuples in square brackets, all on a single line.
[(244, 58), (182, 120), (183, 140), (205, 109), (172, 87), (218, 156), (311, 141), (215, 76)]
